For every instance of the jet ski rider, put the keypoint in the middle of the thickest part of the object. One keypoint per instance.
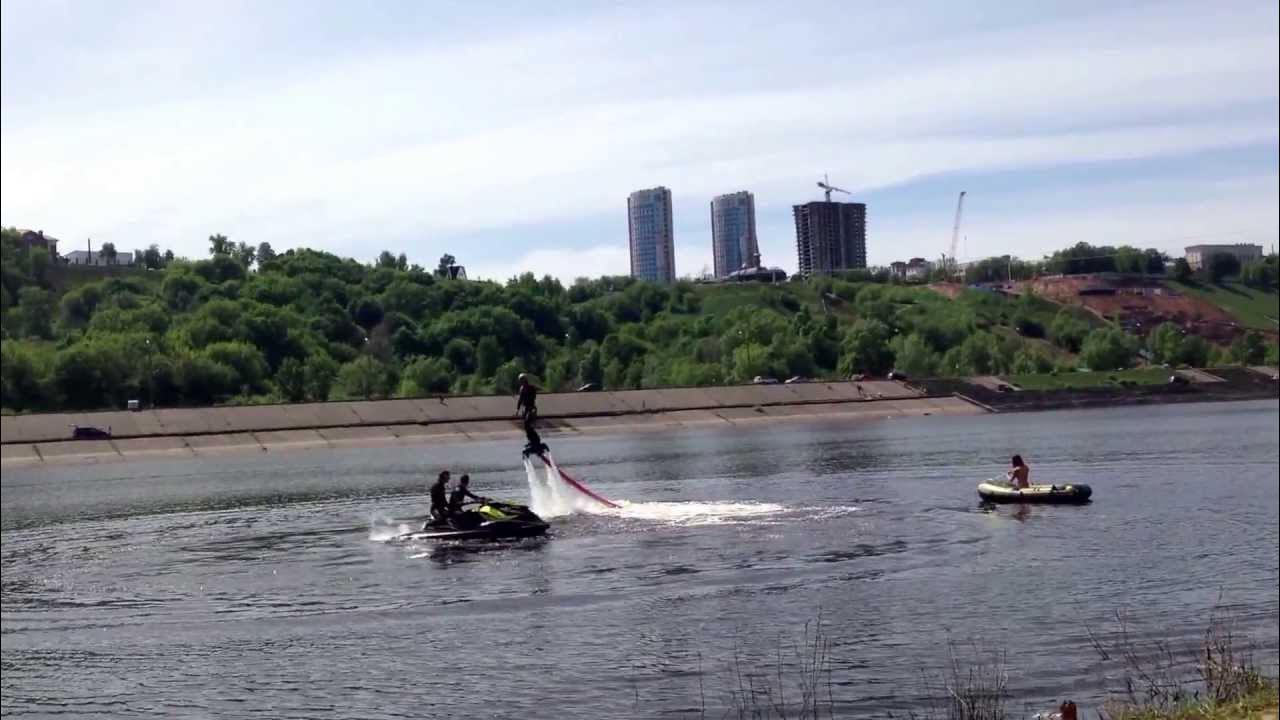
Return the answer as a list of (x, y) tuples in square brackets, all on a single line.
[(460, 495), (439, 502)]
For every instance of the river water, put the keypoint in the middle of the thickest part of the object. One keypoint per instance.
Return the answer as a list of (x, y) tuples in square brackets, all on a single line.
[(257, 586)]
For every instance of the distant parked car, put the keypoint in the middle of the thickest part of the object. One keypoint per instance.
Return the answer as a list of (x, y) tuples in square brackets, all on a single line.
[(589, 387), (1178, 380), (895, 375), (761, 380), (89, 432)]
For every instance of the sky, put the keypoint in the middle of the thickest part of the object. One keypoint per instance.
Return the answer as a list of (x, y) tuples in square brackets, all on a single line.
[(509, 134)]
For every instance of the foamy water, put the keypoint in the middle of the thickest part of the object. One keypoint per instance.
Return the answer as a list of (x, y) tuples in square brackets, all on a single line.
[(553, 497)]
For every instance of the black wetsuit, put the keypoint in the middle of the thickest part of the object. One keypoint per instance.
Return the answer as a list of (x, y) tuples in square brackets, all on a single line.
[(527, 403), (527, 406), (459, 496), (439, 505)]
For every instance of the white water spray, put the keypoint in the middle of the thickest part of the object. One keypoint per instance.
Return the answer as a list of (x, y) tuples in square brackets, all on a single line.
[(552, 497), (383, 528)]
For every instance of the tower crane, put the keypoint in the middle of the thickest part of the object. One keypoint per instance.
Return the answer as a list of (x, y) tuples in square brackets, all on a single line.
[(955, 233), (828, 188)]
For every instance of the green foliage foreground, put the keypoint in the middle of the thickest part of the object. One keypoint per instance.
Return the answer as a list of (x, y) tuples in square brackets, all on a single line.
[(306, 325)]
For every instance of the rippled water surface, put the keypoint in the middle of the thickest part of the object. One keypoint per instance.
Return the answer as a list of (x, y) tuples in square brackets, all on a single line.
[(253, 586)]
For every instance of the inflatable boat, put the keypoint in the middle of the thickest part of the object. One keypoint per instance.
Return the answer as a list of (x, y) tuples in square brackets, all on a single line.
[(1001, 491)]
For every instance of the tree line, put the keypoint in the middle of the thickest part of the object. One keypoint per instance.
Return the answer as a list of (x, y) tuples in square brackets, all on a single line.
[(248, 325)]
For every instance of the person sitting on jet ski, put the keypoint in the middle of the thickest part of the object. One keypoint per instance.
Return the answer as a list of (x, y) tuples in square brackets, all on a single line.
[(460, 495), (439, 503)]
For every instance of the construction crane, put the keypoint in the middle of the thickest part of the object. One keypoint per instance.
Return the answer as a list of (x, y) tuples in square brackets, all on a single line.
[(955, 234), (828, 188)]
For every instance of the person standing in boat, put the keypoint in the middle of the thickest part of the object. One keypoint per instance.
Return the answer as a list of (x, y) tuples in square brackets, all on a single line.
[(1019, 474)]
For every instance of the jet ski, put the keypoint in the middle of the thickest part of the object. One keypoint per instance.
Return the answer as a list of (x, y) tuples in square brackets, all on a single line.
[(1001, 491), (490, 520)]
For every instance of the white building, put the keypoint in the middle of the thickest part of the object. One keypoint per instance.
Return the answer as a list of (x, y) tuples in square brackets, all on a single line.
[(1198, 255), (85, 257), (914, 269)]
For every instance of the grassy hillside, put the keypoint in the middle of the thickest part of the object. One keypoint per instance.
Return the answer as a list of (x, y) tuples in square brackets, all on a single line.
[(1252, 307)]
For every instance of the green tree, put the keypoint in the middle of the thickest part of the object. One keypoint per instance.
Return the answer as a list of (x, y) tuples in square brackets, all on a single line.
[(245, 359), (1129, 260), (321, 371), (1029, 361), (152, 259), (442, 268), (90, 374), (1222, 266), (504, 377), (1259, 274), (203, 381), (1108, 349), (35, 312), (366, 311), (365, 377), (39, 261), (488, 357), (749, 360), (461, 354), (219, 245), (108, 253), (591, 370), (424, 376), (914, 356), (866, 349), (246, 254), (291, 380), (1195, 351), (1248, 349), (1068, 331), (22, 383), (265, 253), (1165, 343), (1182, 270)]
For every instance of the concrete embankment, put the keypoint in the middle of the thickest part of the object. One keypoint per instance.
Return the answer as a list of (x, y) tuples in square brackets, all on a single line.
[(1212, 385), (196, 432)]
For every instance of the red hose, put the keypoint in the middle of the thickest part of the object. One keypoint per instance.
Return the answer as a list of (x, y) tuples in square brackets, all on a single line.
[(577, 485)]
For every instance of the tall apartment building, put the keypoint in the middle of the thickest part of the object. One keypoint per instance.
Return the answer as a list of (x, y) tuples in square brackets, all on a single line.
[(652, 238), (1198, 255), (830, 236), (733, 233)]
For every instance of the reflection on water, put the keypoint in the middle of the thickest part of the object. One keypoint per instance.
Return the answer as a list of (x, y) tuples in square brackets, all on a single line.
[(251, 587)]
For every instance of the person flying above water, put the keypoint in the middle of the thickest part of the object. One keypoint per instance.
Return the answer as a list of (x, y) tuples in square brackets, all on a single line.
[(439, 502), (527, 409), (527, 400), (1019, 474), (460, 495)]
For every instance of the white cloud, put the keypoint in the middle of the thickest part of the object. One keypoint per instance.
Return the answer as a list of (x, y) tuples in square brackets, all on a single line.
[(425, 145)]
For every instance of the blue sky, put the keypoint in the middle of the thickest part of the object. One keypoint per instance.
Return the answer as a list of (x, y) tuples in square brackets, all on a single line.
[(510, 134)]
